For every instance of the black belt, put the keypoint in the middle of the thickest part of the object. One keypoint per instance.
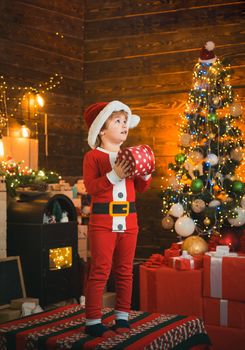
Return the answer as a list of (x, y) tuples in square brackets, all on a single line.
[(114, 208)]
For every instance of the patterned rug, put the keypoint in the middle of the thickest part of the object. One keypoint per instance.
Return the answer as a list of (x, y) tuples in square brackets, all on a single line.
[(63, 329)]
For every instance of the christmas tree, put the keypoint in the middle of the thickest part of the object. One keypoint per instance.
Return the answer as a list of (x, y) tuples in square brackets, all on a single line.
[(205, 188)]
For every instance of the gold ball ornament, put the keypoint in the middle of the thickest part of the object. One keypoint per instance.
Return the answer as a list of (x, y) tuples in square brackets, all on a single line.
[(167, 222), (207, 221), (195, 245), (236, 154), (185, 140), (198, 205), (235, 109)]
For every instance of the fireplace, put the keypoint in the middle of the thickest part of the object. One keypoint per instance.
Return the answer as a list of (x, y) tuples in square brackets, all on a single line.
[(48, 251)]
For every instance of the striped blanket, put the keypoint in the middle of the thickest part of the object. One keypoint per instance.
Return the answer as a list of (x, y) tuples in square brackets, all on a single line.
[(63, 329)]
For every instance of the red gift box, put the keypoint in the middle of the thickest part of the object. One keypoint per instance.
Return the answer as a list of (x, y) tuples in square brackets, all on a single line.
[(169, 291), (141, 159), (224, 276), (222, 312), (176, 246), (226, 338), (155, 260), (171, 253), (183, 264)]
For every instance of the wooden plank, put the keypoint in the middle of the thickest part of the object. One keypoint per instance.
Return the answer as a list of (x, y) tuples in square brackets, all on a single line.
[(74, 8), (25, 57), (107, 9), (62, 145), (44, 40), (146, 44), (37, 18), (158, 64), (166, 21), (143, 85)]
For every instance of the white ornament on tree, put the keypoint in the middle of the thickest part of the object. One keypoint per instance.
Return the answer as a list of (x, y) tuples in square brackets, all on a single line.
[(176, 210), (240, 219), (184, 226), (212, 159)]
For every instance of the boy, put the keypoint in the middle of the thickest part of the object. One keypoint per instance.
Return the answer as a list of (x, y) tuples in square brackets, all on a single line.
[(113, 224)]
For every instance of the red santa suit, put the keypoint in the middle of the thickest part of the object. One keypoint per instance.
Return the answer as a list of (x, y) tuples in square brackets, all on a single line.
[(113, 229)]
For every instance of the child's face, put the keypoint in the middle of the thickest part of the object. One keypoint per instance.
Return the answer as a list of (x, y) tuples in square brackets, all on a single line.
[(116, 129)]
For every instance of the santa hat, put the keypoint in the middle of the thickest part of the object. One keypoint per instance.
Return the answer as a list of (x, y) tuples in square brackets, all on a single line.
[(97, 114), (207, 53)]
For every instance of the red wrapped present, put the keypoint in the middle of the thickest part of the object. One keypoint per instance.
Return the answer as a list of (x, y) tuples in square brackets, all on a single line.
[(224, 276), (170, 291), (141, 159), (185, 264), (171, 253), (222, 312), (176, 246), (226, 338), (155, 260)]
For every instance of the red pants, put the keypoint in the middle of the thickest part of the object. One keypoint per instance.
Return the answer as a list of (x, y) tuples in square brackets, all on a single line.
[(110, 251)]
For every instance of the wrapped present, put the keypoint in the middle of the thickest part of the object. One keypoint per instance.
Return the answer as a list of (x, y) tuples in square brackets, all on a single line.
[(183, 263), (176, 246), (171, 253), (141, 159), (223, 312), (224, 276), (155, 260), (170, 291)]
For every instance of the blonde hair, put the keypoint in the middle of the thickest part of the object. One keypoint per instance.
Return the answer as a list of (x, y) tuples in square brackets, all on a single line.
[(113, 114)]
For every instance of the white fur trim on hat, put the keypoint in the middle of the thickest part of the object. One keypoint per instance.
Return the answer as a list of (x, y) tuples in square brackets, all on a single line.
[(114, 106)]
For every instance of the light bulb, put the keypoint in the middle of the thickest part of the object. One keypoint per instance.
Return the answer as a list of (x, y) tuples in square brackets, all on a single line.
[(25, 132), (40, 100)]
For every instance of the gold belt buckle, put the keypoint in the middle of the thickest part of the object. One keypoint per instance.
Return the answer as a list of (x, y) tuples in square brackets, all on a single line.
[(125, 209)]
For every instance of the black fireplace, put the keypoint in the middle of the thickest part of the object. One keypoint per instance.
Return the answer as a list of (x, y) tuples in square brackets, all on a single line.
[(47, 246)]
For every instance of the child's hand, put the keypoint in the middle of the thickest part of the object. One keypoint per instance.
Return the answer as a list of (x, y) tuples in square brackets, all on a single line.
[(122, 168)]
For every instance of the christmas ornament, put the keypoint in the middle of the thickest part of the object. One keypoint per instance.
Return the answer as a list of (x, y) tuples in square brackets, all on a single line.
[(173, 182), (198, 205), (194, 163), (236, 154), (238, 187), (240, 219), (211, 136), (235, 109), (231, 239), (212, 159), (216, 100), (196, 185), (141, 159), (207, 221), (195, 245), (185, 140), (212, 117), (180, 158), (167, 222), (214, 203), (176, 210), (184, 226)]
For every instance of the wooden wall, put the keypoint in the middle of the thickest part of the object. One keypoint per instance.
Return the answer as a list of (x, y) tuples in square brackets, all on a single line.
[(39, 38), (143, 53), (139, 51)]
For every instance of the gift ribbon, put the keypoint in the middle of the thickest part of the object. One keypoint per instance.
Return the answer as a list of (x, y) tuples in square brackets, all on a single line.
[(216, 272), (216, 277), (223, 312)]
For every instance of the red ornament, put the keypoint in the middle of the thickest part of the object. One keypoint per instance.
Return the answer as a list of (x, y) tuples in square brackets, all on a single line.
[(231, 239)]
